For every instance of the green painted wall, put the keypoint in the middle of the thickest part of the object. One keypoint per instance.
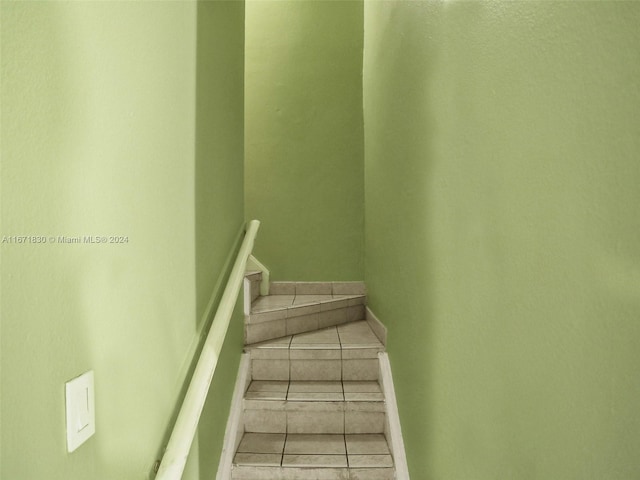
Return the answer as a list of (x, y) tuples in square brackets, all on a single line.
[(219, 138), (502, 233), (108, 115), (304, 137), (219, 207)]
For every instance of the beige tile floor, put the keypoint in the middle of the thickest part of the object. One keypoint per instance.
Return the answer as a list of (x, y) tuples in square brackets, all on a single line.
[(304, 450)]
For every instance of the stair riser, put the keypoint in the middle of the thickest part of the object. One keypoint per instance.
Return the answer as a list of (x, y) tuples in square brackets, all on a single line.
[(315, 364), (280, 323), (279, 313), (318, 288), (314, 417), (280, 473)]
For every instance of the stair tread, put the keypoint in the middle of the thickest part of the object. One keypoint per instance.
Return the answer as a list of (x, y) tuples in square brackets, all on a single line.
[(314, 450), (352, 335)]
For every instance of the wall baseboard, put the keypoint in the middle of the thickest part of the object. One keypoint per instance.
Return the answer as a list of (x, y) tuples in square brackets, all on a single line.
[(235, 423), (393, 429), (377, 326)]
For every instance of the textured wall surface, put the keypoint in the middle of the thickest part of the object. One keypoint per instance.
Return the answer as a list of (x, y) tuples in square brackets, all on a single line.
[(304, 138), (219, 138), (502, 233), (102, 134), (219, 183)]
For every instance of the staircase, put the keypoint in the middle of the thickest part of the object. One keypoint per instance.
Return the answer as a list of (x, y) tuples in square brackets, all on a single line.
[(313, 406)]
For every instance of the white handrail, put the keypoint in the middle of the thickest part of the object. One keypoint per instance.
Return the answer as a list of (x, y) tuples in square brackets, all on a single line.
[(184, 430)]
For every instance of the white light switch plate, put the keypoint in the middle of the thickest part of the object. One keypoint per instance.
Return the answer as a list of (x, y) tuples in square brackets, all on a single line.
[(81, 412)]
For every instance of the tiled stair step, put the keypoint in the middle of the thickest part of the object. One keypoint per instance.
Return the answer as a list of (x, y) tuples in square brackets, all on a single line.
[(314, 408), (289, 456), (315, 391), (347, 352), (303, 307)]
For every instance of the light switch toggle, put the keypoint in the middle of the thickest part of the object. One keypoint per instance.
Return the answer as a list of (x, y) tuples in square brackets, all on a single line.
[(81, 414)]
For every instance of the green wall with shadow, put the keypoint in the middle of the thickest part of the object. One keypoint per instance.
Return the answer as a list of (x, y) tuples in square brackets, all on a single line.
[(304, 144), (502, 233), (219, 177), (124, 119)]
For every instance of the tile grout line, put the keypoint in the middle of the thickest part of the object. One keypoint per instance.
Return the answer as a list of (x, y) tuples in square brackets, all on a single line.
[(284, 446), (344, 413), (286, 419), (286, 410), (346, 450)]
